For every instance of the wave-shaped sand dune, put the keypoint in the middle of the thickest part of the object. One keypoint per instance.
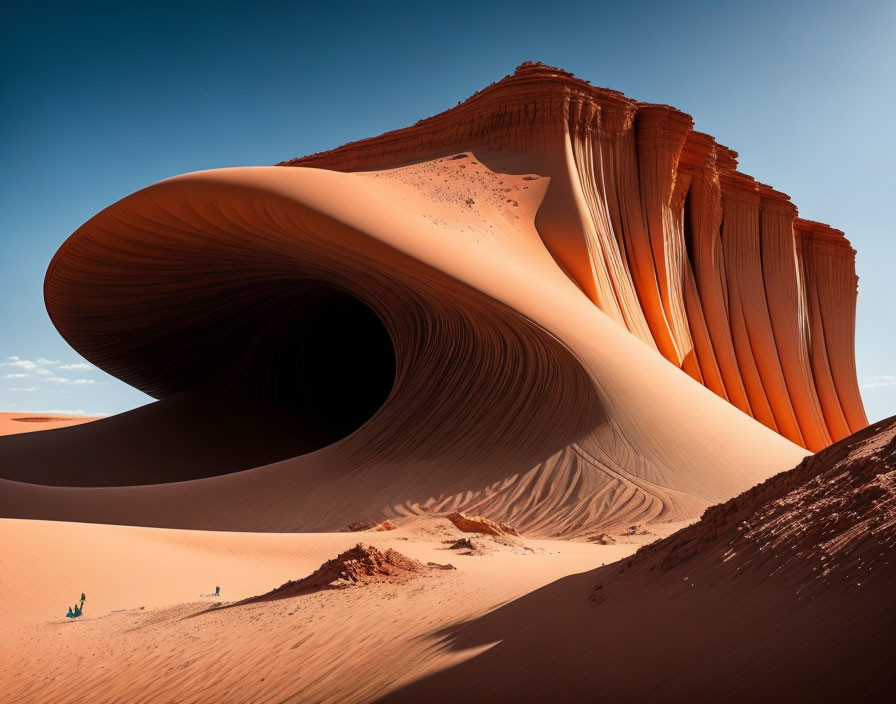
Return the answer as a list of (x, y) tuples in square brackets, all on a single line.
[(536, 306)]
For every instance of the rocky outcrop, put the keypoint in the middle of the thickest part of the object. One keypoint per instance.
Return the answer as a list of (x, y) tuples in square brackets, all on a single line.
[(480, 524), (831, 520), (362, 564), (658, 228), (370, 525)]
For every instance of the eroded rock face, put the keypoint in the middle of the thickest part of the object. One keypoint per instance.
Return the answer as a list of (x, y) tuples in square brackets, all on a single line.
[(480, 524), (370, 525), (829, 521), (362, 564), (658, 228)]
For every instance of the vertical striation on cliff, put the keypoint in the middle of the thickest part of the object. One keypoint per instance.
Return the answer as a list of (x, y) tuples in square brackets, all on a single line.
[(655, 224)]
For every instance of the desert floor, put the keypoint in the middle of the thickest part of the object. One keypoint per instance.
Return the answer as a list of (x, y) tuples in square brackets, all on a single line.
[(147, 635)]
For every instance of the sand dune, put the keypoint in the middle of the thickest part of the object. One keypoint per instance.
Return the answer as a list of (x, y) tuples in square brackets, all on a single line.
[(344, 645), (513, 394), (456, 329), (478, 328), (18, 423), (197, 433)]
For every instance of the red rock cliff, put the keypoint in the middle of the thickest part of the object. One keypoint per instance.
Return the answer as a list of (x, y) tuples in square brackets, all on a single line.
[(658, 228)]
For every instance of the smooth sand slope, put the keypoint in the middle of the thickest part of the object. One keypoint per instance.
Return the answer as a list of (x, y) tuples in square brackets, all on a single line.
[(198, 433)]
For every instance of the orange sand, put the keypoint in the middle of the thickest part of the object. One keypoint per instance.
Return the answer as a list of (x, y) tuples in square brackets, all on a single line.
[(15, 423), (347, 645), (781, 594), (510, 383)]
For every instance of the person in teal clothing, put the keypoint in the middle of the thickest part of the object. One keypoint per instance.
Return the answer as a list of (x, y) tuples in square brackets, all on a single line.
[(77, 609)]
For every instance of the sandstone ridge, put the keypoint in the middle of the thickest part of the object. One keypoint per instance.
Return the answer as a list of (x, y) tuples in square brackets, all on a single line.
[(657, 226)]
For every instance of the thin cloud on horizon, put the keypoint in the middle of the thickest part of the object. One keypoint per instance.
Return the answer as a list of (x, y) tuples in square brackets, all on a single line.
[(878, 382)]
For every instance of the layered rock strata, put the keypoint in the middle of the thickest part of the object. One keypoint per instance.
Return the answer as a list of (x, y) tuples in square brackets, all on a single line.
[(656, 225)]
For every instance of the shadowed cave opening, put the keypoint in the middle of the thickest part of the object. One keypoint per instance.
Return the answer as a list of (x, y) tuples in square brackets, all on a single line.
[(332, 363), (293, 368)]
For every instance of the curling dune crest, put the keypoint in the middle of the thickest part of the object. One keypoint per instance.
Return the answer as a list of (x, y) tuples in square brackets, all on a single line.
[(552, 306)]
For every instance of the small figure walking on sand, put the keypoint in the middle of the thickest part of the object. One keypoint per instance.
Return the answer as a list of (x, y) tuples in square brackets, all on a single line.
[(217, 591), (77, 609)]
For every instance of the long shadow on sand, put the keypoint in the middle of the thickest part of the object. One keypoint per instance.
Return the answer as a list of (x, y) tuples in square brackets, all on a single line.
[(648, 636)]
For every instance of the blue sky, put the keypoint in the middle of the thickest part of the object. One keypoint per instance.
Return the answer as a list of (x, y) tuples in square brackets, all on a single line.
[(99, 100)]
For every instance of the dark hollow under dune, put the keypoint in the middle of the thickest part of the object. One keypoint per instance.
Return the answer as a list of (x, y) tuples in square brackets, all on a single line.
[(303, 368)]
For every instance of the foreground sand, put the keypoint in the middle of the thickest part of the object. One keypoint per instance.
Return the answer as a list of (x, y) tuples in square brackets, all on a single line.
[(783, 593), (139, 642)]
